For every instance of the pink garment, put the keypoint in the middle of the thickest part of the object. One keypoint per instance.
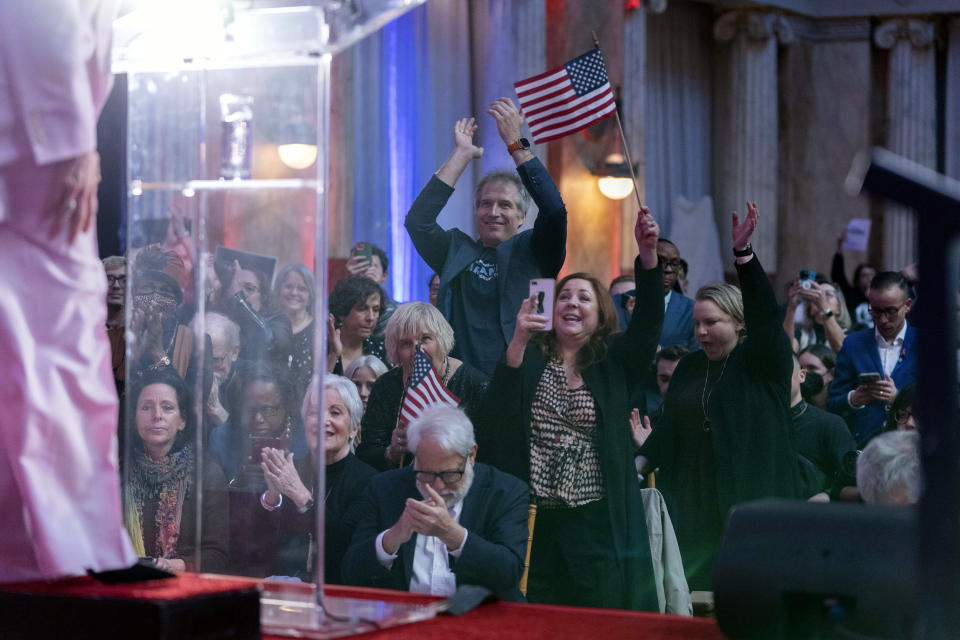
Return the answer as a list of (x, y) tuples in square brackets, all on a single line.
[(60, 508)]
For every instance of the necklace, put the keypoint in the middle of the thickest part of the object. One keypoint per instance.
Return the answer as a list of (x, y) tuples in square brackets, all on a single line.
[(446, 370), (705, 397)]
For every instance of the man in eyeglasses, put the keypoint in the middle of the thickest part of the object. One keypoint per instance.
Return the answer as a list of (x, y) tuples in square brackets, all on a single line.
[(678, 309), (443, 522), (887, 351)]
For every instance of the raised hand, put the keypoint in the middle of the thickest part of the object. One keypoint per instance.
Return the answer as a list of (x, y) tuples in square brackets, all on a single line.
[(646, 232), (640, 428), (334, 344), (463, 132), (743, 230), (509, 119)]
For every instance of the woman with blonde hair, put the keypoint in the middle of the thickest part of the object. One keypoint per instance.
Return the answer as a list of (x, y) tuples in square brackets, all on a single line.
[(415, 326), (725, 433)]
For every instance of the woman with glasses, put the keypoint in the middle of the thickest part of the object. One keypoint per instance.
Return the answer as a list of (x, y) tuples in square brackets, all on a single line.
[(290, 493), (413, 326), (294, 296), (557, 415), (725, 435), (265, 332), (901, 417), (160, 497), (263, 414)]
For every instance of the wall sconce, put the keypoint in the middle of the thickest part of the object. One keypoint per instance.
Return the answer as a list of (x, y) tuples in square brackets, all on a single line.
[(294, 144), (613, 177)]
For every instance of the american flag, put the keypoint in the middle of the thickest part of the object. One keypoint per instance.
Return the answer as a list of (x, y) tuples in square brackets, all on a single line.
[(424, 389), (569, 98)]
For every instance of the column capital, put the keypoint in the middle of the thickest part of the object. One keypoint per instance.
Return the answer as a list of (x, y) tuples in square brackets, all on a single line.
[(919, 33), (757, 25)]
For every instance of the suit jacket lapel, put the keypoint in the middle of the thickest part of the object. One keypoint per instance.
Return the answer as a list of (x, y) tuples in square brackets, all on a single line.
[(874, 352), (905, 349)]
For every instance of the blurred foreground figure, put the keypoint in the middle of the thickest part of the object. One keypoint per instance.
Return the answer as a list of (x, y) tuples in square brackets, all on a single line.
[(59, 483)]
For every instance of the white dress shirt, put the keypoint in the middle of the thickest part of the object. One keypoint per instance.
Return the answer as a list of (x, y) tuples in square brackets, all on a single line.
[(431, 564)]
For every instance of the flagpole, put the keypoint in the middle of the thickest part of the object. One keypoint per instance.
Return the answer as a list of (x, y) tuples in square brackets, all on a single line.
[(623, 137)]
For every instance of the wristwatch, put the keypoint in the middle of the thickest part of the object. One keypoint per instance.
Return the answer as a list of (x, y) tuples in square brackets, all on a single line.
[(828, 314), (516, 145), (743, 253)]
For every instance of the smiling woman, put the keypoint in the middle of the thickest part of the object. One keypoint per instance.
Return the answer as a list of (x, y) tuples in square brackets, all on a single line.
[(294, 296), (556, 415)]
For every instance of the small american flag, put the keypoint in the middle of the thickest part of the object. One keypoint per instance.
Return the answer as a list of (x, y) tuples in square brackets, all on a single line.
[(424, 389), (569, 98)]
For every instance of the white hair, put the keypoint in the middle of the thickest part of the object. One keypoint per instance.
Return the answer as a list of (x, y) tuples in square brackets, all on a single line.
[(444, 425), (373, 363), (227, 328), (888, 469), (348, 393)]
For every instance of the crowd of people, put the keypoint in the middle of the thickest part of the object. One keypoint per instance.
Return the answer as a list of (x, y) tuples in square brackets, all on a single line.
[(616, 433)]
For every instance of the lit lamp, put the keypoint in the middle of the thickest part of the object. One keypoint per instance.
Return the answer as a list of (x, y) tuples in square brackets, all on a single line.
[(294, 145), (613, 177)]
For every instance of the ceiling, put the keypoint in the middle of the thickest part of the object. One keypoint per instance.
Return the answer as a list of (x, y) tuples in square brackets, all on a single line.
[(848, 8)]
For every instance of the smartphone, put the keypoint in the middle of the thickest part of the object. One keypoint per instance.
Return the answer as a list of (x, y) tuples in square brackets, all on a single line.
[(365, 251), (807, 278), (870, 377), (543, 289)]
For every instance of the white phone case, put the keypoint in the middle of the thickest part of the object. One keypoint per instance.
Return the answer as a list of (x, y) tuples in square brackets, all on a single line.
[(543, 289)]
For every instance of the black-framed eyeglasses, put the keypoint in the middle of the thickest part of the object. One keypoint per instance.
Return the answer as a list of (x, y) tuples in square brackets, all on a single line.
[(890, 312), (266, 410), (448, 477), (112, 280), (675, 264), (903, 415)]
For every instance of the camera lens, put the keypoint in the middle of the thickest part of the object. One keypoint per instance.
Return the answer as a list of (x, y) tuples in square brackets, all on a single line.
[(806, 284)]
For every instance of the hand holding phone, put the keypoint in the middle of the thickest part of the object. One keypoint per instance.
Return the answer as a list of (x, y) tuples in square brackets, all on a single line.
[(542, 290)]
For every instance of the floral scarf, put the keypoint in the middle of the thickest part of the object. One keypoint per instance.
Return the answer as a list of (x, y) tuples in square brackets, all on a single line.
[(167, 481)]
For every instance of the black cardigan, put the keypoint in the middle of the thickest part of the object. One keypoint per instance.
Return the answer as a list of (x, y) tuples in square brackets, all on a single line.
[(751, 429), (503, 435)]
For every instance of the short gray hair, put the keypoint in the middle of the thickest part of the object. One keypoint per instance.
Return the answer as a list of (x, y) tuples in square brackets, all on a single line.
[(508, 177), (444, 425), (373, 363), (888, 469), (219, 323), (348, 393), (114, 262), (416, 318)]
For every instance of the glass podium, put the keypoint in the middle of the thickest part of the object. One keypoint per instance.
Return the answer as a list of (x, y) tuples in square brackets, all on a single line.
[(228, 109)]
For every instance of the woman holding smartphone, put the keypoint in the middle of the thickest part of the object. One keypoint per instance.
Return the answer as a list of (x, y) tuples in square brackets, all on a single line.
[(557, 415)]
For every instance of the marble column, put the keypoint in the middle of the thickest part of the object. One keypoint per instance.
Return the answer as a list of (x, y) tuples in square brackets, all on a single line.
[(633, 111), (952, 110), (910, 123), (745, 158)]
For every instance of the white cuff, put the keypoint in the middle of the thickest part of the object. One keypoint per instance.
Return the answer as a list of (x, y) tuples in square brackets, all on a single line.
[(456, 552), (855, 407), (383, 557)]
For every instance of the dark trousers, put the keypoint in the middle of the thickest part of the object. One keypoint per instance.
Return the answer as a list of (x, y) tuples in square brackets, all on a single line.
[(573, 561)]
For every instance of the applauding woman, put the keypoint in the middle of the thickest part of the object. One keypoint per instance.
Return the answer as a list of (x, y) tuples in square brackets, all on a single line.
[(725, 433), (556, 415)]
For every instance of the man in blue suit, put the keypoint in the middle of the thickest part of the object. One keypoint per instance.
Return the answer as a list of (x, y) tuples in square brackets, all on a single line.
[(678, 309), (887, 350), (483, 281), (443, 522)]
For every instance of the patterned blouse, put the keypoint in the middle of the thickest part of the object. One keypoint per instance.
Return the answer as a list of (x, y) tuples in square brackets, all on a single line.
[(564, 460)]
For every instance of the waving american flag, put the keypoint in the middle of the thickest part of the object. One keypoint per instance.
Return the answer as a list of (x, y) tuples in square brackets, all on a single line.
[(424, 389)]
